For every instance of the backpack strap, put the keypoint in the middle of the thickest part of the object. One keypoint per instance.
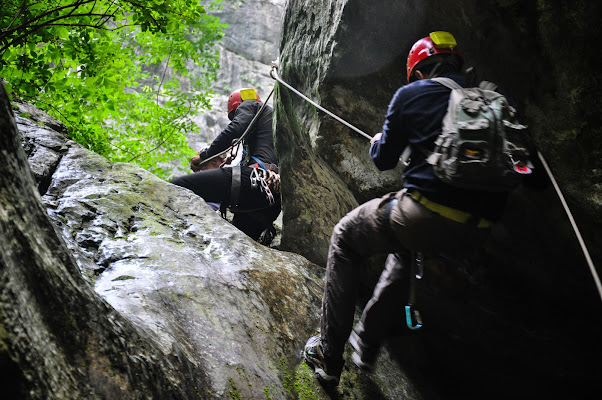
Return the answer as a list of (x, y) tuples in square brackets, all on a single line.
[(486, 85), (447, 82), (450, 83)]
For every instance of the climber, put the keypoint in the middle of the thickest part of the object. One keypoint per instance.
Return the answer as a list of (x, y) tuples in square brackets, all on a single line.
[(251, 189), (427, 215)]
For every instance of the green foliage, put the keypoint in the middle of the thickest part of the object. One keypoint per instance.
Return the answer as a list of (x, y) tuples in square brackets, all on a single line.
[(114, 70)]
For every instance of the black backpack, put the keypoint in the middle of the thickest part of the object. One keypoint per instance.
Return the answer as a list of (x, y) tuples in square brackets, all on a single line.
[(482, 145)]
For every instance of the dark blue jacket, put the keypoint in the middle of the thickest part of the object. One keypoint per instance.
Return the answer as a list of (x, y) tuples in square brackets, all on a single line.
[(259, 140), (414, 117)]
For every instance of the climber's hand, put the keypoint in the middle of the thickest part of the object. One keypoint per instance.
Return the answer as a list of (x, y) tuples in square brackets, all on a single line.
[(375, 138), (195, 163)]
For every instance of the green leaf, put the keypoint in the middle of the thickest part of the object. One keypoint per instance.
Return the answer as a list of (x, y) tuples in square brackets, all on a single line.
[(97, 81)]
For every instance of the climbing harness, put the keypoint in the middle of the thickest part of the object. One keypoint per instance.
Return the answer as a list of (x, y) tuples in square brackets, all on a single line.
[(236, 183), (413, 317), (262, 177), (405, 159), (266, 178)]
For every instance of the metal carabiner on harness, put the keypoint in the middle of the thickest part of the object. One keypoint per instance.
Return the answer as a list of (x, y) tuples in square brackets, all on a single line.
[(254, 177), (265, 187), (261, 178), (413, 317)]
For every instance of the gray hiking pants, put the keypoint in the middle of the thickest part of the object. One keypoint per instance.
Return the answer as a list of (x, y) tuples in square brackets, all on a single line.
[(395, 223)]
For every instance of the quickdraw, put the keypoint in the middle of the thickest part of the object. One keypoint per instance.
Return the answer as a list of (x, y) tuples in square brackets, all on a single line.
[(267, 180), (413, 317)]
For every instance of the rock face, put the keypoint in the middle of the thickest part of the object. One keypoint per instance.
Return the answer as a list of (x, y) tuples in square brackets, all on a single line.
[(58, 338), (165, 261), (488, 318), (249, 45)]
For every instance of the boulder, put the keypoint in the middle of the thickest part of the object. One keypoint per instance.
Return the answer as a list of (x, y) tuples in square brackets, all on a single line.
[(169, 264)]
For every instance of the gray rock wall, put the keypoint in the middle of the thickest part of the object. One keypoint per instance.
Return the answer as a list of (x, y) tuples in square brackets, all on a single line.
[(249, 45)]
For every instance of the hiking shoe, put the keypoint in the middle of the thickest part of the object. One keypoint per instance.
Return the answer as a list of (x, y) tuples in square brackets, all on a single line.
[(314, 357), (267, 235), (363, 356)]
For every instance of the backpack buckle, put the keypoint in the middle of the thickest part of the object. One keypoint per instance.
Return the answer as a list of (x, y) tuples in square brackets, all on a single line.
[(520, 167)]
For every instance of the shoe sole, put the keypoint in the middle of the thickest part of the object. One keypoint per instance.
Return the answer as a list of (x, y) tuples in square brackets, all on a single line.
[(319, 373)]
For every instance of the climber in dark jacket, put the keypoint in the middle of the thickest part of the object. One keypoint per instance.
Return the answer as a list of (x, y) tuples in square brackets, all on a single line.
[(427, 216), (251, 189)]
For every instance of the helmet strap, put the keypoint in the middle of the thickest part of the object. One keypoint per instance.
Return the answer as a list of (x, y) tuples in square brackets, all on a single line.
[(434, 70)]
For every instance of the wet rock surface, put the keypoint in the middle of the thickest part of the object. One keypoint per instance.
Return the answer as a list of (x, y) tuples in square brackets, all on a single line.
[(172, 266)]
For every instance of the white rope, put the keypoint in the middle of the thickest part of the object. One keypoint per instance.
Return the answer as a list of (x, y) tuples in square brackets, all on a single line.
[(574, 224), (274, 75)]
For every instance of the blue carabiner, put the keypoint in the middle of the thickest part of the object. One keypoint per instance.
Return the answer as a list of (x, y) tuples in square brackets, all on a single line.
[(413, 312)]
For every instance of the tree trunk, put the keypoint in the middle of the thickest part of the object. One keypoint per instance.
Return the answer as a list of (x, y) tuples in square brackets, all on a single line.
[(66, 341)]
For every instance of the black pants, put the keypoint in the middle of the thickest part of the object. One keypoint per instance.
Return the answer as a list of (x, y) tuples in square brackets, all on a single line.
[(215, 185)]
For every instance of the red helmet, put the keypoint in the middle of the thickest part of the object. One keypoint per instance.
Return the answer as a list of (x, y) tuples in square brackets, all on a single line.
[(439, 42), (240, 95)]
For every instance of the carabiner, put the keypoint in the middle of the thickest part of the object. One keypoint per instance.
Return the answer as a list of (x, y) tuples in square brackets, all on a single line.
[(254, 177), (418, 266), (413, 318)]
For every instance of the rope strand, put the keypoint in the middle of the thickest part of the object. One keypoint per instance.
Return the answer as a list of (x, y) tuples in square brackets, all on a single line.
[(274, 74), (574, 225)]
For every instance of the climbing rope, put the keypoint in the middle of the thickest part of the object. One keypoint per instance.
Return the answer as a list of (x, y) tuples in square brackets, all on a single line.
[(574, 225), (274, 75)]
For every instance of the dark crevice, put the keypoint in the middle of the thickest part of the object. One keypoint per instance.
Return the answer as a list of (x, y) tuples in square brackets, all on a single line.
[(44, 182)]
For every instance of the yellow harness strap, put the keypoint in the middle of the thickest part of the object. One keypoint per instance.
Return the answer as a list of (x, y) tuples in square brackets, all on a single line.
[(448, 212)]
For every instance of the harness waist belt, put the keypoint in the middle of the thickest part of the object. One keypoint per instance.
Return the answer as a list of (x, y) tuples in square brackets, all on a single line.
[(268, 167), (450, 213)]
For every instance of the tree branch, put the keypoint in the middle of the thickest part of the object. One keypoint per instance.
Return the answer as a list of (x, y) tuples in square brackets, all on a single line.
[(35, 28), (16, 15), (73, 6)]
